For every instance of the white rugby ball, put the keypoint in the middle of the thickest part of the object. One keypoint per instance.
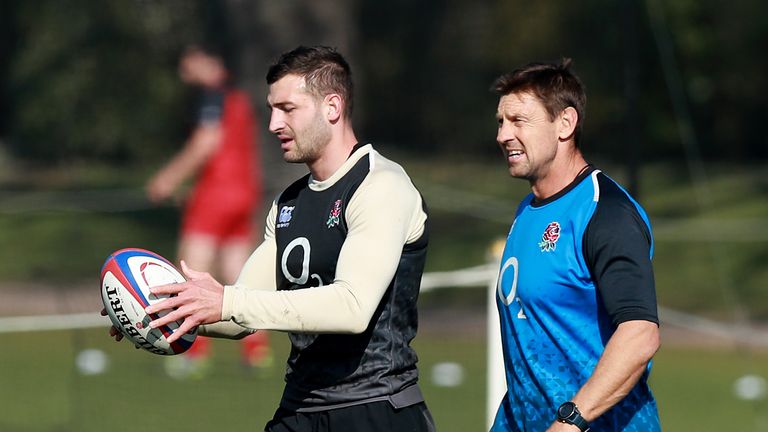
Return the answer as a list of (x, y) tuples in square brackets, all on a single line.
[(126, 277)]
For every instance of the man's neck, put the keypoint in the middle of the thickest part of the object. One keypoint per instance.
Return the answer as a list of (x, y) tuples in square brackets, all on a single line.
[(335, 154), (558, 176)]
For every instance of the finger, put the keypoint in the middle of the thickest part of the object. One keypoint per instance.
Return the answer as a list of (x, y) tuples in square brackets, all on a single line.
[(175, 335), (167, 304), (190, 273), (104, 312), (173, 288), (175, 315), (115, 333), (183, 329)]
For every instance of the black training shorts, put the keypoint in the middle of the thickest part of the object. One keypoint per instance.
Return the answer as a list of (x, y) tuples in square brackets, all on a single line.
[(378, 416)]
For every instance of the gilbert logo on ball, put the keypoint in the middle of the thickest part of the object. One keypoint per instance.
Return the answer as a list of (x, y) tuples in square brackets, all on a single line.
[(126, 277)]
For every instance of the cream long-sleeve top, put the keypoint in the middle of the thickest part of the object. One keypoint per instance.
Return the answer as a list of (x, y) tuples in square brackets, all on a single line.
[(385, 213)]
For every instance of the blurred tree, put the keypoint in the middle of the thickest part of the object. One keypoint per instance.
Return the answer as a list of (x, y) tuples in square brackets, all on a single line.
[(7, 41), (429, 65), (399, 67), (84, 79), (95, 79), (718, 56)]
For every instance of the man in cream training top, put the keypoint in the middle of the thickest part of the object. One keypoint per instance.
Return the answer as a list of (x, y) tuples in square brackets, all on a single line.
[(339, 268)]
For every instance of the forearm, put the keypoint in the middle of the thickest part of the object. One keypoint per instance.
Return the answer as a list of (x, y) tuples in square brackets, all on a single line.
[(334, 308), (623, 362), (225, 330), (201, 144)]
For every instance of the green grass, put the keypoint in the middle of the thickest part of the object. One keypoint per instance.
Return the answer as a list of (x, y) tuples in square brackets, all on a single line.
[(694, 388), (134, 394), (41, 390)]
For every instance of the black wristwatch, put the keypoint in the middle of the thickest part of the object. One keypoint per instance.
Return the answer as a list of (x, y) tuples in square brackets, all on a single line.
[(568, 413)]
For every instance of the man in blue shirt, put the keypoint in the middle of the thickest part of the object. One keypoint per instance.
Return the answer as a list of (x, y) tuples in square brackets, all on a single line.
[(576, 293)]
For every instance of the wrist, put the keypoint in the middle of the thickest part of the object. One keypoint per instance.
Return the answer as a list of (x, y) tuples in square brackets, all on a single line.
[(227, 302), (569, 413)]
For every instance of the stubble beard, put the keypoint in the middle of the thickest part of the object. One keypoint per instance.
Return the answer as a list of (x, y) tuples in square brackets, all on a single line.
[(310, 142), (520, 170)]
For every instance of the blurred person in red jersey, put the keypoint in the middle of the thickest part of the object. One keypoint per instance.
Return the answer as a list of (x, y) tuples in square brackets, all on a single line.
[(221, 153)]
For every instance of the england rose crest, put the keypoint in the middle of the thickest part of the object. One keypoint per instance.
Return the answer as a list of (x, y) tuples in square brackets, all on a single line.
[(333, 218), (550, 236)]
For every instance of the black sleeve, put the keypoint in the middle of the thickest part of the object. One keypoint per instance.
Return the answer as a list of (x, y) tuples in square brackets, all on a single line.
[(211, 107), (617, 246)]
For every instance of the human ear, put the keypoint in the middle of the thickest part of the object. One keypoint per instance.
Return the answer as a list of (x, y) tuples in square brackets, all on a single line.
[(568, 120), (333, 106)]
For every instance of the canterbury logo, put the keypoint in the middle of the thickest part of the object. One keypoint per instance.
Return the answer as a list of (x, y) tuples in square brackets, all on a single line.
[(284, 219)]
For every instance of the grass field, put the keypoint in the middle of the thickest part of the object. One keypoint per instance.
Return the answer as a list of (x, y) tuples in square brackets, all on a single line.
[(41, 390)]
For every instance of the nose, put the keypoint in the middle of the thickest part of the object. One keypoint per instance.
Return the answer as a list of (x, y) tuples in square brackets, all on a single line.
[(276, 121), (505, 133)]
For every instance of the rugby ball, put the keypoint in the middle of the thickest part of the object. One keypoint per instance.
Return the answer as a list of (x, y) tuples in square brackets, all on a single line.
[(126, 277)]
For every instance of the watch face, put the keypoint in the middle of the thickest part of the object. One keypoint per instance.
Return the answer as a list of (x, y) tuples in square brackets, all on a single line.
[(566, 410)]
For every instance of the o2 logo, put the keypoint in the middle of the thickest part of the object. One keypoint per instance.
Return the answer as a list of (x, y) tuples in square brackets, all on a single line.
[(301, 279), (509, 269)]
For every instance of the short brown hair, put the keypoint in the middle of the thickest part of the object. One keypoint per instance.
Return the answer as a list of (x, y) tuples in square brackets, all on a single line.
[(555, 85), (324, 70)]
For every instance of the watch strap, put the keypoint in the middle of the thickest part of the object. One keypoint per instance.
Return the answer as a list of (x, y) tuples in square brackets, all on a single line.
[(577, 420)]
